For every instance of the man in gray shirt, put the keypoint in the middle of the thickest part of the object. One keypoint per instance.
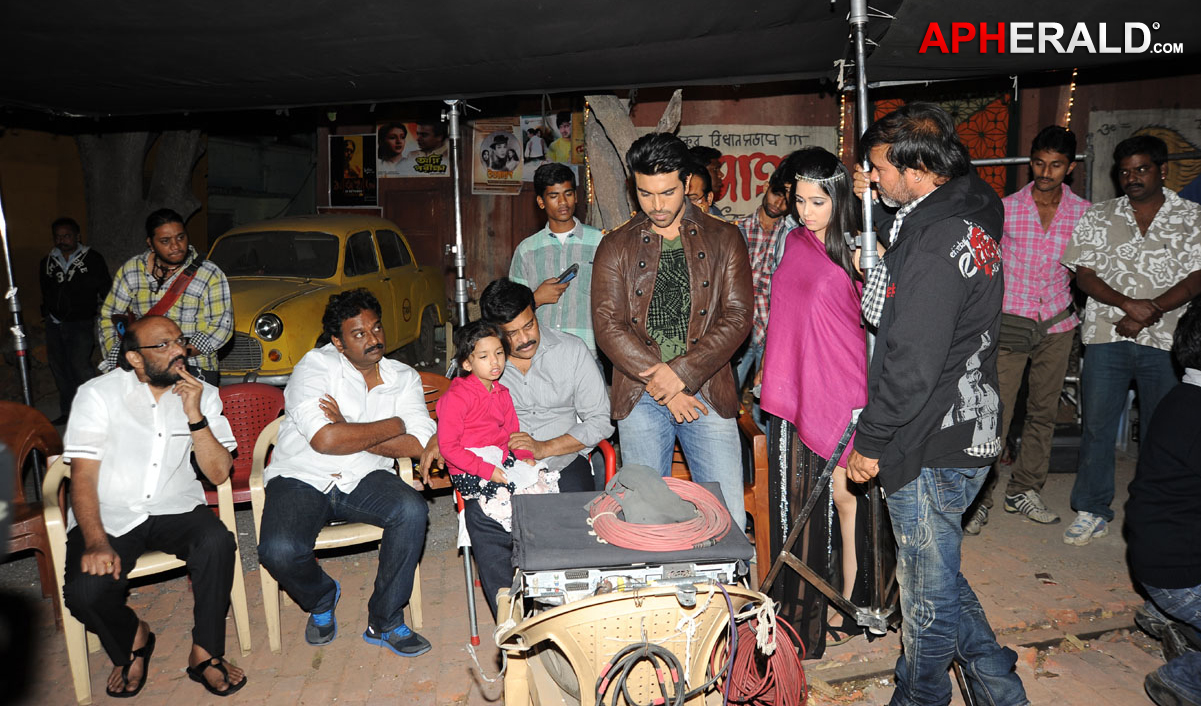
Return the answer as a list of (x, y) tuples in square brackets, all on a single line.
[(556, 385)]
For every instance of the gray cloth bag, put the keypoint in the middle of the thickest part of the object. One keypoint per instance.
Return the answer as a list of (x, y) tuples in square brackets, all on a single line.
[(645, 498)]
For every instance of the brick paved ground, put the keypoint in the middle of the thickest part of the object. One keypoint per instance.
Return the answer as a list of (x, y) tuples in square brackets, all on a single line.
[(1077, 618)]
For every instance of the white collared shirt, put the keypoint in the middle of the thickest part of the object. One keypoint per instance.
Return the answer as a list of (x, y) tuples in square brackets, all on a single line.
[(143, 446), (324, 371)]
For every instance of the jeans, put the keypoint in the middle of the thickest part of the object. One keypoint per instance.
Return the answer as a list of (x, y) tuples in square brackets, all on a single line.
[(197, 537), (711, 446), (69, 352), (943, 620), (750, 360), (1108, 370), (1183, 605), (294, 512)]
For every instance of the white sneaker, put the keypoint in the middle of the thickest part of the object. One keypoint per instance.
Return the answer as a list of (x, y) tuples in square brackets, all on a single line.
[(979, 519), (1085, 528), (1030, 504)]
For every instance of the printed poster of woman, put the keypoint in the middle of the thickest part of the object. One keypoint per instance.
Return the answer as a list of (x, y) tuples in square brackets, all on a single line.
[(412, 149), (351, 170)]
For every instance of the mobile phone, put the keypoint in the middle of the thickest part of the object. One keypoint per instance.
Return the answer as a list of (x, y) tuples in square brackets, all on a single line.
[(569, 274)]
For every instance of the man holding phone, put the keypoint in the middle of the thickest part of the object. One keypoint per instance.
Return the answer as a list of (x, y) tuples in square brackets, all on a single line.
[(556, 262)]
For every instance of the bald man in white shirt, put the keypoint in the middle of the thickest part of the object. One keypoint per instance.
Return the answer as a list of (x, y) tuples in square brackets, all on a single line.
[(130, 441)]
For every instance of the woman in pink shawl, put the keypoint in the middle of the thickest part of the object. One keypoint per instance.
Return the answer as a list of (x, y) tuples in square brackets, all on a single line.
[(814, 374)]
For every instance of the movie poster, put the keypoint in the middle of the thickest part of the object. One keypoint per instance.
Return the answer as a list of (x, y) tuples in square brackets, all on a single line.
[(412, 149), (497, 157), (534, 147), (1180, 129), (750, 153), (564, 135), (351, 170)]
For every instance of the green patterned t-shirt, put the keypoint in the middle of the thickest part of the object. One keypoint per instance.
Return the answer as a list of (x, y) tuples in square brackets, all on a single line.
[(671, 302)]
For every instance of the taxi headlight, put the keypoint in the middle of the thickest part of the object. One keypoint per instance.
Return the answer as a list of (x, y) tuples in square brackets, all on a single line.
[(268, 327)]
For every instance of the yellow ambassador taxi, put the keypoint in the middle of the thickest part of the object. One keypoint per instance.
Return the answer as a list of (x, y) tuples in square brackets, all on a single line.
[(282, 272)]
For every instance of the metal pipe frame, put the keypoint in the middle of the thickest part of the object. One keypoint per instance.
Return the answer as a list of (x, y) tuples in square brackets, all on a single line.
[(451, 114)]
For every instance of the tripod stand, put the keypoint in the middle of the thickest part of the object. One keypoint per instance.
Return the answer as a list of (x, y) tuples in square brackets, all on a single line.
[(882, 612)]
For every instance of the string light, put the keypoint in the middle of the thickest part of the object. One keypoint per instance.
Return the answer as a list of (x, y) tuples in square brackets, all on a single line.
[(842, 123), (1067, 117), (588, 164)]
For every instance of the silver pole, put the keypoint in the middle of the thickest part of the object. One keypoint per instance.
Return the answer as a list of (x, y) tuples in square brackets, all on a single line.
[(1004, 161), (20, 346), (460, 261), (868, 259)]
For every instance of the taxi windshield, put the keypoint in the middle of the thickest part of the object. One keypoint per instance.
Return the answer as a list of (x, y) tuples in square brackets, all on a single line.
[(278, 253)]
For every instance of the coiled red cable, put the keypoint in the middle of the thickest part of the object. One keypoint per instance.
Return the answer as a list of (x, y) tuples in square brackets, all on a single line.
[(775, 680), (707, 529)]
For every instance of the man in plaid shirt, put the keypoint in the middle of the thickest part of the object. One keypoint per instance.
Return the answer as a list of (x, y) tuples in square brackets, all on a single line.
[(1038, 225), (541, 259), (203, 311), (762, 230)]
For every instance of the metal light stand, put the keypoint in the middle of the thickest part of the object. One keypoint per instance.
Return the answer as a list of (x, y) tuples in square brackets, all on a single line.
[(20, 343), (451, 114), (877, 617)]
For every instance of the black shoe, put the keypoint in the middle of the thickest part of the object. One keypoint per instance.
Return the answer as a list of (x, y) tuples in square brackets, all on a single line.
[(1149, 622), (400, 640), (1163, 694), (1177, 641)]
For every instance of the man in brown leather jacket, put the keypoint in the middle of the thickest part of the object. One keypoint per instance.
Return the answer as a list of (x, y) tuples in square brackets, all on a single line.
[(671, 302)]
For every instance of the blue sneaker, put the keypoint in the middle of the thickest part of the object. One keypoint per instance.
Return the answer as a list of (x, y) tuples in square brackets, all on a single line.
[(400, 640), (322, 627)]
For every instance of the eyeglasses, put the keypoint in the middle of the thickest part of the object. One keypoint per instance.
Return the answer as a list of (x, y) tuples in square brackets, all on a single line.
[(182, 342)]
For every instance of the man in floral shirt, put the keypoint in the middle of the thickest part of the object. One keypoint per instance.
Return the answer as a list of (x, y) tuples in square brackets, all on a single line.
[(1138, 258)]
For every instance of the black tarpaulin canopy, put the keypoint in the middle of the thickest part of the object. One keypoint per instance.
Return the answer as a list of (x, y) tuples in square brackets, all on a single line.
[(140, 57)]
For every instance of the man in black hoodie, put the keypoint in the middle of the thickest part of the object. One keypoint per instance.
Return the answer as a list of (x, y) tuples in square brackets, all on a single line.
[(929, 431)]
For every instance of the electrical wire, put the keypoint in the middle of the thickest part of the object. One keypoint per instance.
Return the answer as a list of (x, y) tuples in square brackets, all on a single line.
[(707, 529), (775, 680)]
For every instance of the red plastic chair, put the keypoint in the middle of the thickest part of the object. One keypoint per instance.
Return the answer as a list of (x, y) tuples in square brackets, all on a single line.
[(610, 458), (24, 430), (249, 407)]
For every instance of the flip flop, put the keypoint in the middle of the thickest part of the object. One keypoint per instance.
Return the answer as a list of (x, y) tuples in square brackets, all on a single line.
[(144, 652), (196, 674)]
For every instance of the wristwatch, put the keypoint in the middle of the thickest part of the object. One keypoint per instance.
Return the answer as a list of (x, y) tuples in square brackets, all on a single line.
[(204, 422)]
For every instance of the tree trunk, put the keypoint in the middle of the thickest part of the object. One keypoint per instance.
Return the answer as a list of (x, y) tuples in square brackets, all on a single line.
[(121, 192)]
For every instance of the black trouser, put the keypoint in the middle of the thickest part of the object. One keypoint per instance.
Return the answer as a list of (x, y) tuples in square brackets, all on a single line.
[(69, 352), (197, 537), (493, 550), (576, 477)]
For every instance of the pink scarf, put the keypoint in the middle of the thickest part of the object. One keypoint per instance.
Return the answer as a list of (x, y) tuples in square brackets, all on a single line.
[(815, 361)]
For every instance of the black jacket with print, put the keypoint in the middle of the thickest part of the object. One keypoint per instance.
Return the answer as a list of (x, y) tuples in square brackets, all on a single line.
[(74, 293), (932, 384)]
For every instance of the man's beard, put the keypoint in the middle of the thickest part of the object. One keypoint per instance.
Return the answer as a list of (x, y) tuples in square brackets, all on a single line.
[(165, 376)]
